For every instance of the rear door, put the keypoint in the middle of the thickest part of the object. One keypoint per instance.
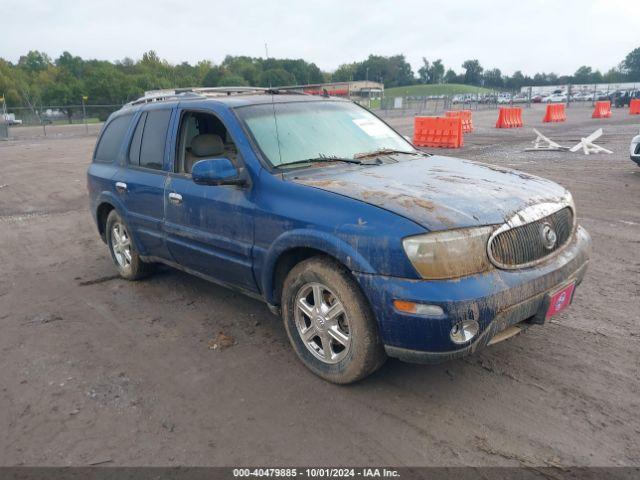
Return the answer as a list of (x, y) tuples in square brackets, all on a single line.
[(141, 181)]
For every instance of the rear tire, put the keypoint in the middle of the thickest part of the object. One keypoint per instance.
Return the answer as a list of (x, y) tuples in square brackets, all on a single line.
[(123, 251), (329, 322)]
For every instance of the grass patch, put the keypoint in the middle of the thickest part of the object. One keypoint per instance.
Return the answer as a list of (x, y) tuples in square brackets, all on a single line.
[(439, 89)]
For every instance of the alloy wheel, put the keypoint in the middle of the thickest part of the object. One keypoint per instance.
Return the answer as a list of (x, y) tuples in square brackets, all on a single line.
[(322, 323)]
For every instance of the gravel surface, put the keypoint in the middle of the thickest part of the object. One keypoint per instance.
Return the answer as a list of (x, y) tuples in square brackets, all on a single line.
[(94, 369)]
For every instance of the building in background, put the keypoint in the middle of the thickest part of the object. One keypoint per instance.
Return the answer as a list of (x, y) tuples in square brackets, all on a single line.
[(359, 91)]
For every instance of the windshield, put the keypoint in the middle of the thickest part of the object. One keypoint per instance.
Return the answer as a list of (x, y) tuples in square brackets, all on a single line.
[(292, 132)]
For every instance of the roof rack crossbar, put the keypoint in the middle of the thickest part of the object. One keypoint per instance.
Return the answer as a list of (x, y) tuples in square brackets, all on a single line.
[(177, 93)]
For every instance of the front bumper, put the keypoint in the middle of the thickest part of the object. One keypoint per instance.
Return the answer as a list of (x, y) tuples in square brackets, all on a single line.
[(497, 300)]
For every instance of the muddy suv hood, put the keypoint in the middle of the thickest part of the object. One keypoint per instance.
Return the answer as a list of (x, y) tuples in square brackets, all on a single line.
[(438, 192)]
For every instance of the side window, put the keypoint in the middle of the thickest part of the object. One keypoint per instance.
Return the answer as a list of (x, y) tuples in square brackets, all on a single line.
[(202, 135), (112, 139), (136, 141), (154, 138)]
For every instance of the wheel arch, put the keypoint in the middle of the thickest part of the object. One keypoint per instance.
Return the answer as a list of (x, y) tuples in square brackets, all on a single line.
[(102, 207), (295, 247), (102, 213)]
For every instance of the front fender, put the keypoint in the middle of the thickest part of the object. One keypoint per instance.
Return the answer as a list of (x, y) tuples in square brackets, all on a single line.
[(318, 240)]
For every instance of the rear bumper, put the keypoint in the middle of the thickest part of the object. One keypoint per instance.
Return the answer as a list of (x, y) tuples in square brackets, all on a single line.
[(497, 300)]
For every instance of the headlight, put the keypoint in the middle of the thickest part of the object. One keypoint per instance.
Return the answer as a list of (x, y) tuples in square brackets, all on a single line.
[(449, 254)]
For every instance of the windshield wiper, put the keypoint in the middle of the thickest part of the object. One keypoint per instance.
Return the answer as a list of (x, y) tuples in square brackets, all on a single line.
[(322, 160), (382, 151)]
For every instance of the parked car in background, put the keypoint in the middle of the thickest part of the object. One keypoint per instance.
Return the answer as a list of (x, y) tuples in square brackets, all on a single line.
[(366, 246), (10, 119), (622, 98), (556, 98), (536, 99), (583, 96), (634, 149)]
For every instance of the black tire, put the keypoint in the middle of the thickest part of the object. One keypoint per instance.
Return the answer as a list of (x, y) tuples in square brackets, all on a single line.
[(365, 353), (135, 268)]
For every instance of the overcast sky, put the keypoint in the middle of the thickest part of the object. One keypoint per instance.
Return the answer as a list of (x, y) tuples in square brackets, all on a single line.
[(532, 36)]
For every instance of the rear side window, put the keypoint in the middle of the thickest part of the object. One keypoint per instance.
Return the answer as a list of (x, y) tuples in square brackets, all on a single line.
[(136, 141), (112, 139), (154, 138)]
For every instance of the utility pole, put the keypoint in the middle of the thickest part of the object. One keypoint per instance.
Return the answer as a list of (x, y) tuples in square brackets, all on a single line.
[(84, 114), (266, 50)]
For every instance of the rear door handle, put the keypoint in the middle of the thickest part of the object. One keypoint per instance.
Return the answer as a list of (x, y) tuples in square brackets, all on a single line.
[(121, 187), (175, 198)]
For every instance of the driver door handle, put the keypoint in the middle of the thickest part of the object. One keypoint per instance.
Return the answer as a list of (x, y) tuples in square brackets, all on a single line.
[(121, 187), (175, 198)]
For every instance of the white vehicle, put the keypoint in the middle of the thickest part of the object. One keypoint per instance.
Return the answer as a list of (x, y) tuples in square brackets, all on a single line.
[(10, 119), (555, 98), (634, 149)]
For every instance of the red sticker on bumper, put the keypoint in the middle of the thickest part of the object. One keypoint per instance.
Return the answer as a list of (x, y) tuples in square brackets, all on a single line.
[(560, 300)]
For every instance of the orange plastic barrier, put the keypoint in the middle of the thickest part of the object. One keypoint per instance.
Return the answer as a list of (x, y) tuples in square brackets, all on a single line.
[(602, 110), (439, 132), (465, 115), (555, 113), (634, 106), (509, 117)]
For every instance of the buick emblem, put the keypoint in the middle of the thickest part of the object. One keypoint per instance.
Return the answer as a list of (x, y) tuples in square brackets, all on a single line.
[(549, 236)]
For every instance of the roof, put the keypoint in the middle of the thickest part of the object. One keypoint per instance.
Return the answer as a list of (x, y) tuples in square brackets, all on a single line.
[(231, 96)]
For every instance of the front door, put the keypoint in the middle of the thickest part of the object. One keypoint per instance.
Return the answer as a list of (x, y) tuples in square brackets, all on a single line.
[(209, 228)]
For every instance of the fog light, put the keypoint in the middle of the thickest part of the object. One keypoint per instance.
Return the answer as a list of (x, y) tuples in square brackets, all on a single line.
[(463, 332), (418, 308)]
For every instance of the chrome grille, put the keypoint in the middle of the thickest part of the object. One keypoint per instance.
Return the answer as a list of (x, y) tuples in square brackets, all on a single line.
[(525, 244)]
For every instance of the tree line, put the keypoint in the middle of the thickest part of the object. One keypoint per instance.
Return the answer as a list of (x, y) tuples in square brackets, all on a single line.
[(37, 80)]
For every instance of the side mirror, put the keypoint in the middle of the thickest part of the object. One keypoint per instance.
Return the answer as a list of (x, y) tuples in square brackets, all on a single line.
[(216, 171)]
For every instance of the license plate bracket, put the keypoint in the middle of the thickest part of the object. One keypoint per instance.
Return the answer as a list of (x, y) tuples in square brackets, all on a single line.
[(555, 302)]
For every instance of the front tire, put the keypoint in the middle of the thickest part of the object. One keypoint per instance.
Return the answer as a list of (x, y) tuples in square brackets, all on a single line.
[(123, 251), (329, 322)]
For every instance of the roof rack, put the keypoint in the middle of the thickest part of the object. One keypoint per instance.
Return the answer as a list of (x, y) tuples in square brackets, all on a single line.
[(203, 92)]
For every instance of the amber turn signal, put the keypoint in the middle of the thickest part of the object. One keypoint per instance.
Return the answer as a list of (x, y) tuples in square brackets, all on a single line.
[(418, 308)]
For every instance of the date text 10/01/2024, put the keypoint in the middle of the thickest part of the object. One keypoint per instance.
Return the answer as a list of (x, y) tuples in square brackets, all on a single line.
[(316, 472)]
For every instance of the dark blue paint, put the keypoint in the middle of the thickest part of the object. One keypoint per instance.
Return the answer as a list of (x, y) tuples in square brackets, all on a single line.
[(236, 234)]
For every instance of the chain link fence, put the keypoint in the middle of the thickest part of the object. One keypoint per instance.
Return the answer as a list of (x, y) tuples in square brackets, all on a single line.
[(438, 104), (59, 114), (17, 122)]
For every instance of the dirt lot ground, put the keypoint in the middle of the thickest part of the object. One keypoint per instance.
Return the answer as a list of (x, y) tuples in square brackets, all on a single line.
[(94, 369)]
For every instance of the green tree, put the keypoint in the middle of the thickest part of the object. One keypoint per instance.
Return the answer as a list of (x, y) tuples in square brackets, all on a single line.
[(276, 77), (73, 65), (631, 65), (424, 72), (450, 76), (584, 74), (212, 77), (232, 80), (345, 72), (472, 72), (436, 72), (493, 78), (34, 61), (516, 81)]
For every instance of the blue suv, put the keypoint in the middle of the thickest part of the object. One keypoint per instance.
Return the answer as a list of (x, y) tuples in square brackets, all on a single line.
[(365, 245)]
